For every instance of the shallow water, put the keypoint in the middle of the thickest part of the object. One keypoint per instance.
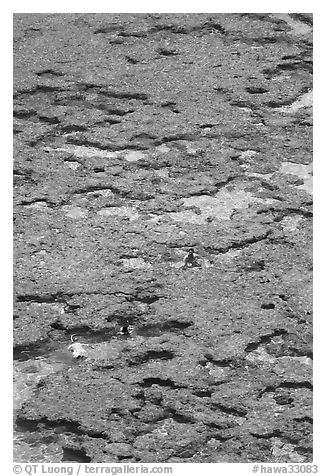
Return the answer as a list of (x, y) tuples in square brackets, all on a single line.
[(30, 366)]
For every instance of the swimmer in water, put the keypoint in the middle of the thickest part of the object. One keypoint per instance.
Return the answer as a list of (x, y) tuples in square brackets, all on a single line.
[(126, 329), (190, 260)]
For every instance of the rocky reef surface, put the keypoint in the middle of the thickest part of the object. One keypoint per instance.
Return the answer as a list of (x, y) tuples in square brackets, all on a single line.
[(136, 138)]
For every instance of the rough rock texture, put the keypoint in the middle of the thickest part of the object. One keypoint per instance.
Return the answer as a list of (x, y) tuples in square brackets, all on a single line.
[(138, 137)]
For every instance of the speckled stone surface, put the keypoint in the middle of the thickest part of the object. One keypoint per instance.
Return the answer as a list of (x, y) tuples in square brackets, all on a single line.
[(137, 137)]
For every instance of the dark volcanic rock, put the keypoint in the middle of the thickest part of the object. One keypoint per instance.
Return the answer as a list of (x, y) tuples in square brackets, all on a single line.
[(137, 138)]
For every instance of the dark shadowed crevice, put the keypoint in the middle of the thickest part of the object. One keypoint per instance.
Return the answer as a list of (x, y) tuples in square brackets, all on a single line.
[(148, 382), (295, 385), (71, 455), (229, 410)]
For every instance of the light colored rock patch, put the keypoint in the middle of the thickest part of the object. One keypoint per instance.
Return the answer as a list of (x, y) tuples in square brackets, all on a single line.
[(26, 376), (260, 355), (163, 149), (127, 212), (134, 155), (204, 262), (41, 253), (281, 77), (74, 212), (42, 453), (232, 254), (222, 205), (38, 205), (142, 306), (255, 174), (218, 373), (136, 263), (154, 219), (57, 307), (228, 257), (73, 165), (306, 100), (284, 452), (178, 264), (298, 27), (248, 154), (219, 207), (291, 223), (308, 185), (84, 151), (164, 173), (109, 351), (245, 109), (103, 193), (191, 150), (301, 360), (302, 171), (188, 217)]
